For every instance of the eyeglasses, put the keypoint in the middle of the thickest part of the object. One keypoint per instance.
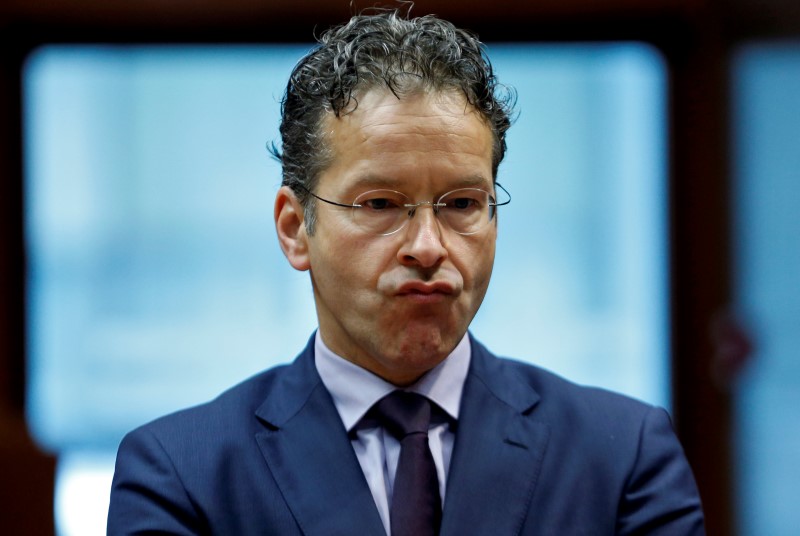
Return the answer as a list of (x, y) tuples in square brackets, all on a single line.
[(383, 212)]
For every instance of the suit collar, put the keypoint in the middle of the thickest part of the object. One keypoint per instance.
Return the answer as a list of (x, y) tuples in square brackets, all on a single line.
[(292, 390), (498, 451), (301, 379), (310, 457), (500, 380)]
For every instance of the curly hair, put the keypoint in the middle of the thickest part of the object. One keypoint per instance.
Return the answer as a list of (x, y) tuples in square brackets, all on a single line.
[(385, 50)]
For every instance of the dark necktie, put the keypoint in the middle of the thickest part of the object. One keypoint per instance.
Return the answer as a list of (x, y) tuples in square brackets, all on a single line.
[(416, 508)]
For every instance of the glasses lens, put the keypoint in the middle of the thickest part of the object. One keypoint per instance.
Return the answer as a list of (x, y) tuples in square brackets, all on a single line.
[(380, 211), (466, 211)]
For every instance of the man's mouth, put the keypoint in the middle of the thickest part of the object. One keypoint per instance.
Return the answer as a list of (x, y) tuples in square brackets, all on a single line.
[(425, 288)]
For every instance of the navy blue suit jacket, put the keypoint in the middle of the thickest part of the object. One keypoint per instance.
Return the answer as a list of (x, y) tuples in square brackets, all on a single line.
[(534, 454)]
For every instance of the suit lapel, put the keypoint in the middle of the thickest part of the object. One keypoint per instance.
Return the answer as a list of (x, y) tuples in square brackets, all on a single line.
[(498, 452), (310, 456)]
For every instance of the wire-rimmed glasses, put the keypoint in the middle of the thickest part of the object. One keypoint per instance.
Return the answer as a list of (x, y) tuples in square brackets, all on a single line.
[(383, 212)]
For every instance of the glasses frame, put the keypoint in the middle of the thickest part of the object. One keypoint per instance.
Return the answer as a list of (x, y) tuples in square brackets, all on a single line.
[(412, 207)]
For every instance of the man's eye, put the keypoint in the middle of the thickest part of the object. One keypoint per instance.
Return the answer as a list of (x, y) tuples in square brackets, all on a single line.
[(463, 203), (379, 203)]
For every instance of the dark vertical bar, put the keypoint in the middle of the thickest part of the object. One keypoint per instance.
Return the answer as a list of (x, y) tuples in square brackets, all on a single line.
[(700, 260), (26, 474), (12, 371)]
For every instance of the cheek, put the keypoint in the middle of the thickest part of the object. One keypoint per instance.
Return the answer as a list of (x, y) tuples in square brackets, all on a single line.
[(481, 280), (475, 261), (355, 265)]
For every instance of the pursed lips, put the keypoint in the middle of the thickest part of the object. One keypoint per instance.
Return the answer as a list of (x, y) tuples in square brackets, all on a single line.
[(426, 291)]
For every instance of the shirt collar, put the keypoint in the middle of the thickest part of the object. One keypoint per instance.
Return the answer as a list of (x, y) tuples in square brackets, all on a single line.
[(443, 384)]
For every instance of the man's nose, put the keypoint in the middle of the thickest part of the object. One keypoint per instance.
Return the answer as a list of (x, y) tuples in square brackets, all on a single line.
[(422, 243)]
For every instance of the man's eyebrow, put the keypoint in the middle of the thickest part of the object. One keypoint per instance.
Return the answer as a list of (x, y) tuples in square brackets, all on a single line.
[(375, 181), (476, 180)]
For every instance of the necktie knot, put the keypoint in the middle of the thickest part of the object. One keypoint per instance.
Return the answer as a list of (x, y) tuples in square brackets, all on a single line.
[(404, 413)]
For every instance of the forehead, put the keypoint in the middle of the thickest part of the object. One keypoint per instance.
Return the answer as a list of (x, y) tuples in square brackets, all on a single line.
[(423, 136)]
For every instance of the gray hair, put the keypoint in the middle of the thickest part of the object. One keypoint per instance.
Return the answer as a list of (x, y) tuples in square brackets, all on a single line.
[(384, 50)]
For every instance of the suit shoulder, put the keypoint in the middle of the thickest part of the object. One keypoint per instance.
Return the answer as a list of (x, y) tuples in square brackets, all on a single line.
[(607, 428), (563, 398)]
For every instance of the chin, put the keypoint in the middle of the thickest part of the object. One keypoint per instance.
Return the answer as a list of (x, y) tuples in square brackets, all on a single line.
[(419, 344), (408, 369)]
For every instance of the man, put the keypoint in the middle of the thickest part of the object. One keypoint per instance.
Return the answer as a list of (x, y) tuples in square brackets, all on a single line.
[(392, 131)]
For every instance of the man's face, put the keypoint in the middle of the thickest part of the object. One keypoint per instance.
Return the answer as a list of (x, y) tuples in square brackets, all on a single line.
[(397, 305)]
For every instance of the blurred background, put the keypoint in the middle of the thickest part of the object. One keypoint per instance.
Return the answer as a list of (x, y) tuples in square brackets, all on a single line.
[(651, 245)]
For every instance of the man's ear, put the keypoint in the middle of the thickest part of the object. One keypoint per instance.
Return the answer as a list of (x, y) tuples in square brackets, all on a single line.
[(291, 229)]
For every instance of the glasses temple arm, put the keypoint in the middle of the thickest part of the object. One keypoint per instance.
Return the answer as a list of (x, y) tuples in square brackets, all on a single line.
[(496, 204)]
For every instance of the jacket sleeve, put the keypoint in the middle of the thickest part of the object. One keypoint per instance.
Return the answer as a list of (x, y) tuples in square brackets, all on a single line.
[(147, 495), (661, 497)]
